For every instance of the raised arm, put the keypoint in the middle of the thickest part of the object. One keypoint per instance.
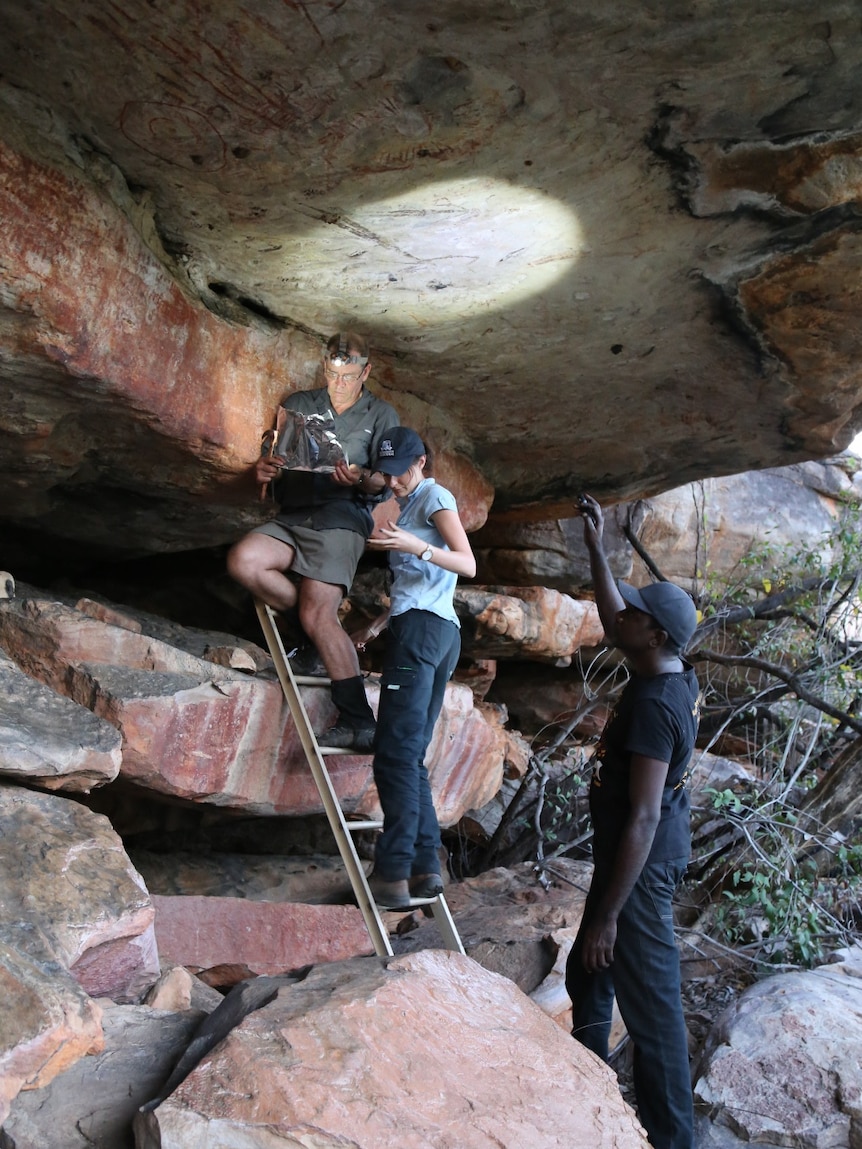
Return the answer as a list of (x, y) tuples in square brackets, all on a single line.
[(608, 599)]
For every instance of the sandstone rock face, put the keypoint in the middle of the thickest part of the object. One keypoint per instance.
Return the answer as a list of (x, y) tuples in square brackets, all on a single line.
[(783, 1064), (787, 509), (47, 1023), (693, 533), (428, 1049), (662, 288), (203, 732)]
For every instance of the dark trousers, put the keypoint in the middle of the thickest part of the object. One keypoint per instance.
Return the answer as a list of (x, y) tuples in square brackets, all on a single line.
[(645, 977), (422, 651)]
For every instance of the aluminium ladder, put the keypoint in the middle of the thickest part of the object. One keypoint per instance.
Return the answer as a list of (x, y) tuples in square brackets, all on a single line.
[(341, 827)]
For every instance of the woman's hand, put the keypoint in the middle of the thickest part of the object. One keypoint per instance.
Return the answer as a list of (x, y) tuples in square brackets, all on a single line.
[(394, 539), (361, 638)]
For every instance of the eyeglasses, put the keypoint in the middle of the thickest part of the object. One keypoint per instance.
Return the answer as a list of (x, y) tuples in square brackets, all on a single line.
[(347, 377)]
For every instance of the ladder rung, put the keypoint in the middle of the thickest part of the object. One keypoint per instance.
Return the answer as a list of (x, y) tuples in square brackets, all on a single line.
[(341, 828), (344, 750)]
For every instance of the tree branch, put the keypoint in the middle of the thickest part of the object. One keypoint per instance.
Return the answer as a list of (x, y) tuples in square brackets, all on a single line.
[(779, 672)]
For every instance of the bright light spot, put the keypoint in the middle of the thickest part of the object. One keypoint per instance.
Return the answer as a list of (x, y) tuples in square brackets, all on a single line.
[(438, 254), (856, 445)]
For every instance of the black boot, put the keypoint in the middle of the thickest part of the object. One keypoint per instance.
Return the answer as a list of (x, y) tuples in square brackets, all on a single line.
[(355, 726)]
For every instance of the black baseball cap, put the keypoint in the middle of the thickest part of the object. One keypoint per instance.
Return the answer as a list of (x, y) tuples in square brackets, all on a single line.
[(399, 447), (670, 606)]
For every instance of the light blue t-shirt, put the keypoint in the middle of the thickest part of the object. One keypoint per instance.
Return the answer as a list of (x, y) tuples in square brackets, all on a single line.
[(419, 585)]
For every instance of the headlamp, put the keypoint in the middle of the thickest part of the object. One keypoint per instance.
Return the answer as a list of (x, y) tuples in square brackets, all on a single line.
[(341, 356), (339, 360)]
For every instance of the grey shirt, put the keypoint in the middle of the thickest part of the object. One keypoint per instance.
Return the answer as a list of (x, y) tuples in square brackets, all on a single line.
[(315, 499)]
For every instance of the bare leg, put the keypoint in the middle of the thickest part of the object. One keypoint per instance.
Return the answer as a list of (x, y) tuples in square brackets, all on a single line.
[(258, 563), (318, 613)]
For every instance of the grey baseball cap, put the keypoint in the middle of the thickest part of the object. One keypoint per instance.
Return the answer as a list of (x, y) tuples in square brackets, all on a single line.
[(671, 607)]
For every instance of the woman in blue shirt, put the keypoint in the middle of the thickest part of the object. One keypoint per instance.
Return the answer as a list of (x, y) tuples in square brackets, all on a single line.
[(428, 550)]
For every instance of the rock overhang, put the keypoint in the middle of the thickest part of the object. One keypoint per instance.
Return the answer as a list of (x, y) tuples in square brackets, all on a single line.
[(610, 250)]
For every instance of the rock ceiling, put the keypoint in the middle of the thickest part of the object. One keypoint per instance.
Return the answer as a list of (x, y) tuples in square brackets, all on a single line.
[(609, 246)]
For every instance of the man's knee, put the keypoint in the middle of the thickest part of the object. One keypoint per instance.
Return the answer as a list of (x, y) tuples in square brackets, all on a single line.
[(240, 563)]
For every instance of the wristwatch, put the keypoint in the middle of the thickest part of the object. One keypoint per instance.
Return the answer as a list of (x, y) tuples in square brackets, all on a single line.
[(427, 553)]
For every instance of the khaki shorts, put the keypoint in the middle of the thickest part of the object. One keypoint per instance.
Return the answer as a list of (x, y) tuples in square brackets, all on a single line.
[(325, 556)]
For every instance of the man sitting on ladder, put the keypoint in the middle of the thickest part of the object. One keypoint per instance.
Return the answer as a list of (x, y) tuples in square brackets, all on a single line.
[(321, 528)]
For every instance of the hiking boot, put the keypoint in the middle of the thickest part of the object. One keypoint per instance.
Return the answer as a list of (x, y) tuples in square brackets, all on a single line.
[(425, 885), (342, 736), (305, 662), (390, 895), (355, 726)]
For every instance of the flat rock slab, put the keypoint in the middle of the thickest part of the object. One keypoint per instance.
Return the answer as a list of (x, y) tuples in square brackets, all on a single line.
[(49, 740), (267, 937), (426, 1050)]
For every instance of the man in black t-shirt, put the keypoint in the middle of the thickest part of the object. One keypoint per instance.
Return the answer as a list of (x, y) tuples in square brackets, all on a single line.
[(641, 844)]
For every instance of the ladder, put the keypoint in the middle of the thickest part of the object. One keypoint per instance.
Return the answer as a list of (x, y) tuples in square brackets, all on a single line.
[(341, 827)]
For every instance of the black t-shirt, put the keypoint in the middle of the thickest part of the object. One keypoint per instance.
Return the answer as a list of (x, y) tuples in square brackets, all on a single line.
[(657, 718)]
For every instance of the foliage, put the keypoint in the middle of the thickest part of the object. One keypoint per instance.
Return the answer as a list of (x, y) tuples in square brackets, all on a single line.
[(778, 902), (780, 659)]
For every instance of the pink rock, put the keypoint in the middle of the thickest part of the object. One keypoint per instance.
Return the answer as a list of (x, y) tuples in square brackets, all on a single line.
[(526, 622), (429, 1049), (71, 895), (268, 937)]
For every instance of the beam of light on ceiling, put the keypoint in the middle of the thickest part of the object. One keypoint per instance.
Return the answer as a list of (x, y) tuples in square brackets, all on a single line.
[(440, 253)]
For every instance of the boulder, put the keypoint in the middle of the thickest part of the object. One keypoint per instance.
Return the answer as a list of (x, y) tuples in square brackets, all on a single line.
[(422, 1049), (787, 509), (782, 1067), (91, 1104), (47, 1022), (177, 989), (525, 622), (69, 895), (50, 741)]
